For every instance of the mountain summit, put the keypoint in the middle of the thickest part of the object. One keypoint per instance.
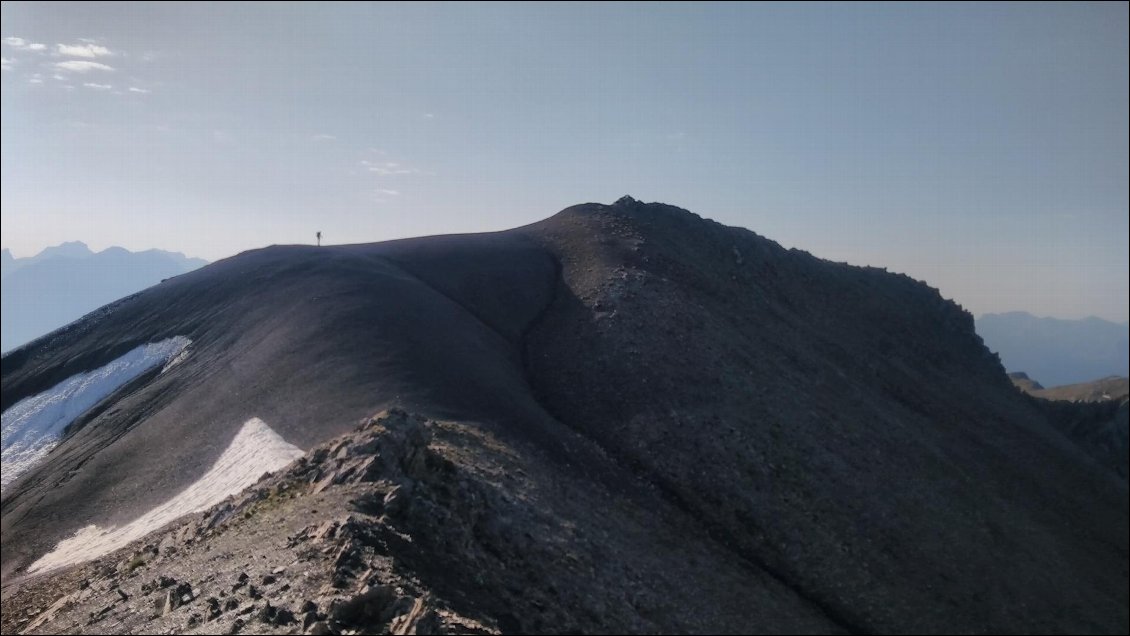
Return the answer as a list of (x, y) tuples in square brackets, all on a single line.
[(623, 418)]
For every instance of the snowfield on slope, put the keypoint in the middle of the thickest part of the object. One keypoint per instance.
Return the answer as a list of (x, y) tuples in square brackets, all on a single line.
[(32, 427), (255, 450)]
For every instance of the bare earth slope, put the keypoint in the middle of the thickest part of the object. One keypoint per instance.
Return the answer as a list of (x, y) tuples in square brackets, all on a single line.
[(1097, 418), (806, 446), (1111, 388)]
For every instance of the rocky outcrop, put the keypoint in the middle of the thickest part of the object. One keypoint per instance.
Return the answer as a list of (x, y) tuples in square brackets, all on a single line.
[(326, 583), (402, 527), (1025, 383)]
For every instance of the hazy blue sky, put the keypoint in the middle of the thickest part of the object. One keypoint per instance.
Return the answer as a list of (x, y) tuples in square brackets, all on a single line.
[(981, 147)]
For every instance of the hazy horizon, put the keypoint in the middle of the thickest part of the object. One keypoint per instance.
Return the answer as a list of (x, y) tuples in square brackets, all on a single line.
[(981, 148), (978, 315)]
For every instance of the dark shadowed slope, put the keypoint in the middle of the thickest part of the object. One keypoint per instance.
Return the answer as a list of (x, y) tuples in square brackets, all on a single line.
[(62, 283), (838, 434), (842, 426), (1097, 420)]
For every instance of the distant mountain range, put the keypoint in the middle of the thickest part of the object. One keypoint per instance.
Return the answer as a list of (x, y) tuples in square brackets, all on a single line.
[(63, 283), (1056, 352)]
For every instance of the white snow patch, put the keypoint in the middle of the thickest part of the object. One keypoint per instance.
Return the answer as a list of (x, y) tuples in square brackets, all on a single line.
[(175, 360), (255, 450), (30, 428)]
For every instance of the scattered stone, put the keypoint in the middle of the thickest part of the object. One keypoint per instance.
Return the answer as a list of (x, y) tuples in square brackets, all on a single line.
[(46, 616), (184, 593), (121, 593), (246, 610), (324, 532), (167, 603), (100, 614), (395, 501), (213, 608), (284, 616), (308, 619), (365, 608), (268, 579), (419, 619)]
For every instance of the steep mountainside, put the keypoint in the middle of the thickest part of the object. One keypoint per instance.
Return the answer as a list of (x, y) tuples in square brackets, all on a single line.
[(62, 283), (1102, 429), (630, 418), (1098, 420), (1057, 352)]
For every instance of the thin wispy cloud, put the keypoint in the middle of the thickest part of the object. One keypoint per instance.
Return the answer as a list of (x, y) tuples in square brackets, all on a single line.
[(5, 64), (86, 50), (387, 168), (23, 45), (322, 137), (391, 193), (99, 87), (35, 80), (82, 66), (134, 89)]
